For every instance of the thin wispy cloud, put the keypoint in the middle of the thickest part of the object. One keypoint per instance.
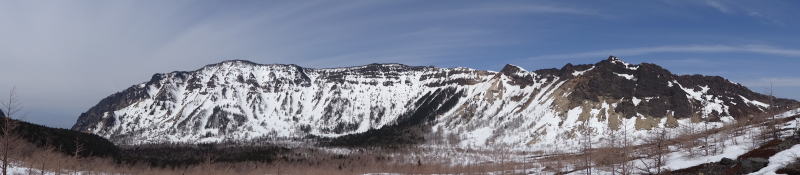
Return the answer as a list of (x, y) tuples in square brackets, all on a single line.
[(758, 49), (523, 8), (719, 6), (776, 82), (736, 7), (66, 56), (91, 49)]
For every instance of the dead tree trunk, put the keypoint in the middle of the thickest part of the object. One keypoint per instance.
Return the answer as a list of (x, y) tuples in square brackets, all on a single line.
[(586, 146), (8, 139)]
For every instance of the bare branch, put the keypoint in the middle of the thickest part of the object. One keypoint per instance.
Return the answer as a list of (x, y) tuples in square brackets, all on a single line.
[(8, 139)]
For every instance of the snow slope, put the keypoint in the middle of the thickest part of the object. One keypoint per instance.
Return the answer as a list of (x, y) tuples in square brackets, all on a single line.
[(242, 101)]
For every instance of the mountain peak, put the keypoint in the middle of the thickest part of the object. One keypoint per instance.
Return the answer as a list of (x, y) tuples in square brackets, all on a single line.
[(236, 62), (613, 60), (388, 64), (511, 69), (385, 66)]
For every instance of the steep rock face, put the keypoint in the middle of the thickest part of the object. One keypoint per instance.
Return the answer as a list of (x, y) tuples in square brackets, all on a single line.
[(240, 100)]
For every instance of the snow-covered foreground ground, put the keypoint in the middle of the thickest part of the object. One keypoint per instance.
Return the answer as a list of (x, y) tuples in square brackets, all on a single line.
[(785, 157), (679, 160), (780, 160), (516, 160), (19, 170), (733, 147), (725, 145)]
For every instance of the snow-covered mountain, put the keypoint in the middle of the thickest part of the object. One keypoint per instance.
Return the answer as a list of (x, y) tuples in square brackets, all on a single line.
[(240, 100)]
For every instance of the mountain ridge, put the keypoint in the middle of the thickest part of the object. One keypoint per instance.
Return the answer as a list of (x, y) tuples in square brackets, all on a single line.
[(273, 101)]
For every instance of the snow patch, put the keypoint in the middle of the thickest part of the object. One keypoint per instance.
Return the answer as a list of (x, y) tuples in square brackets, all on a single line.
[(627, 65), (577, 73), (626, 76), (753, 102), (478, 137), (780, 160), (636, 101)]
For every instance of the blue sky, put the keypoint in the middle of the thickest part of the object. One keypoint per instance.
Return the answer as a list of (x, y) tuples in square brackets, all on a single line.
[(64, 56)]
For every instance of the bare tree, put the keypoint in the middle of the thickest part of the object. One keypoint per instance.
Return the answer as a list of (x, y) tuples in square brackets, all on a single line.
[(756, 135), (8, 139), (626, 166), (586, 145), (655, 154), (796, 127), (609, 158), (79, 148), (706, 142), (706, 130), (735, 131), (615, 156), (771, 111), (44, 157), (688, 141)]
